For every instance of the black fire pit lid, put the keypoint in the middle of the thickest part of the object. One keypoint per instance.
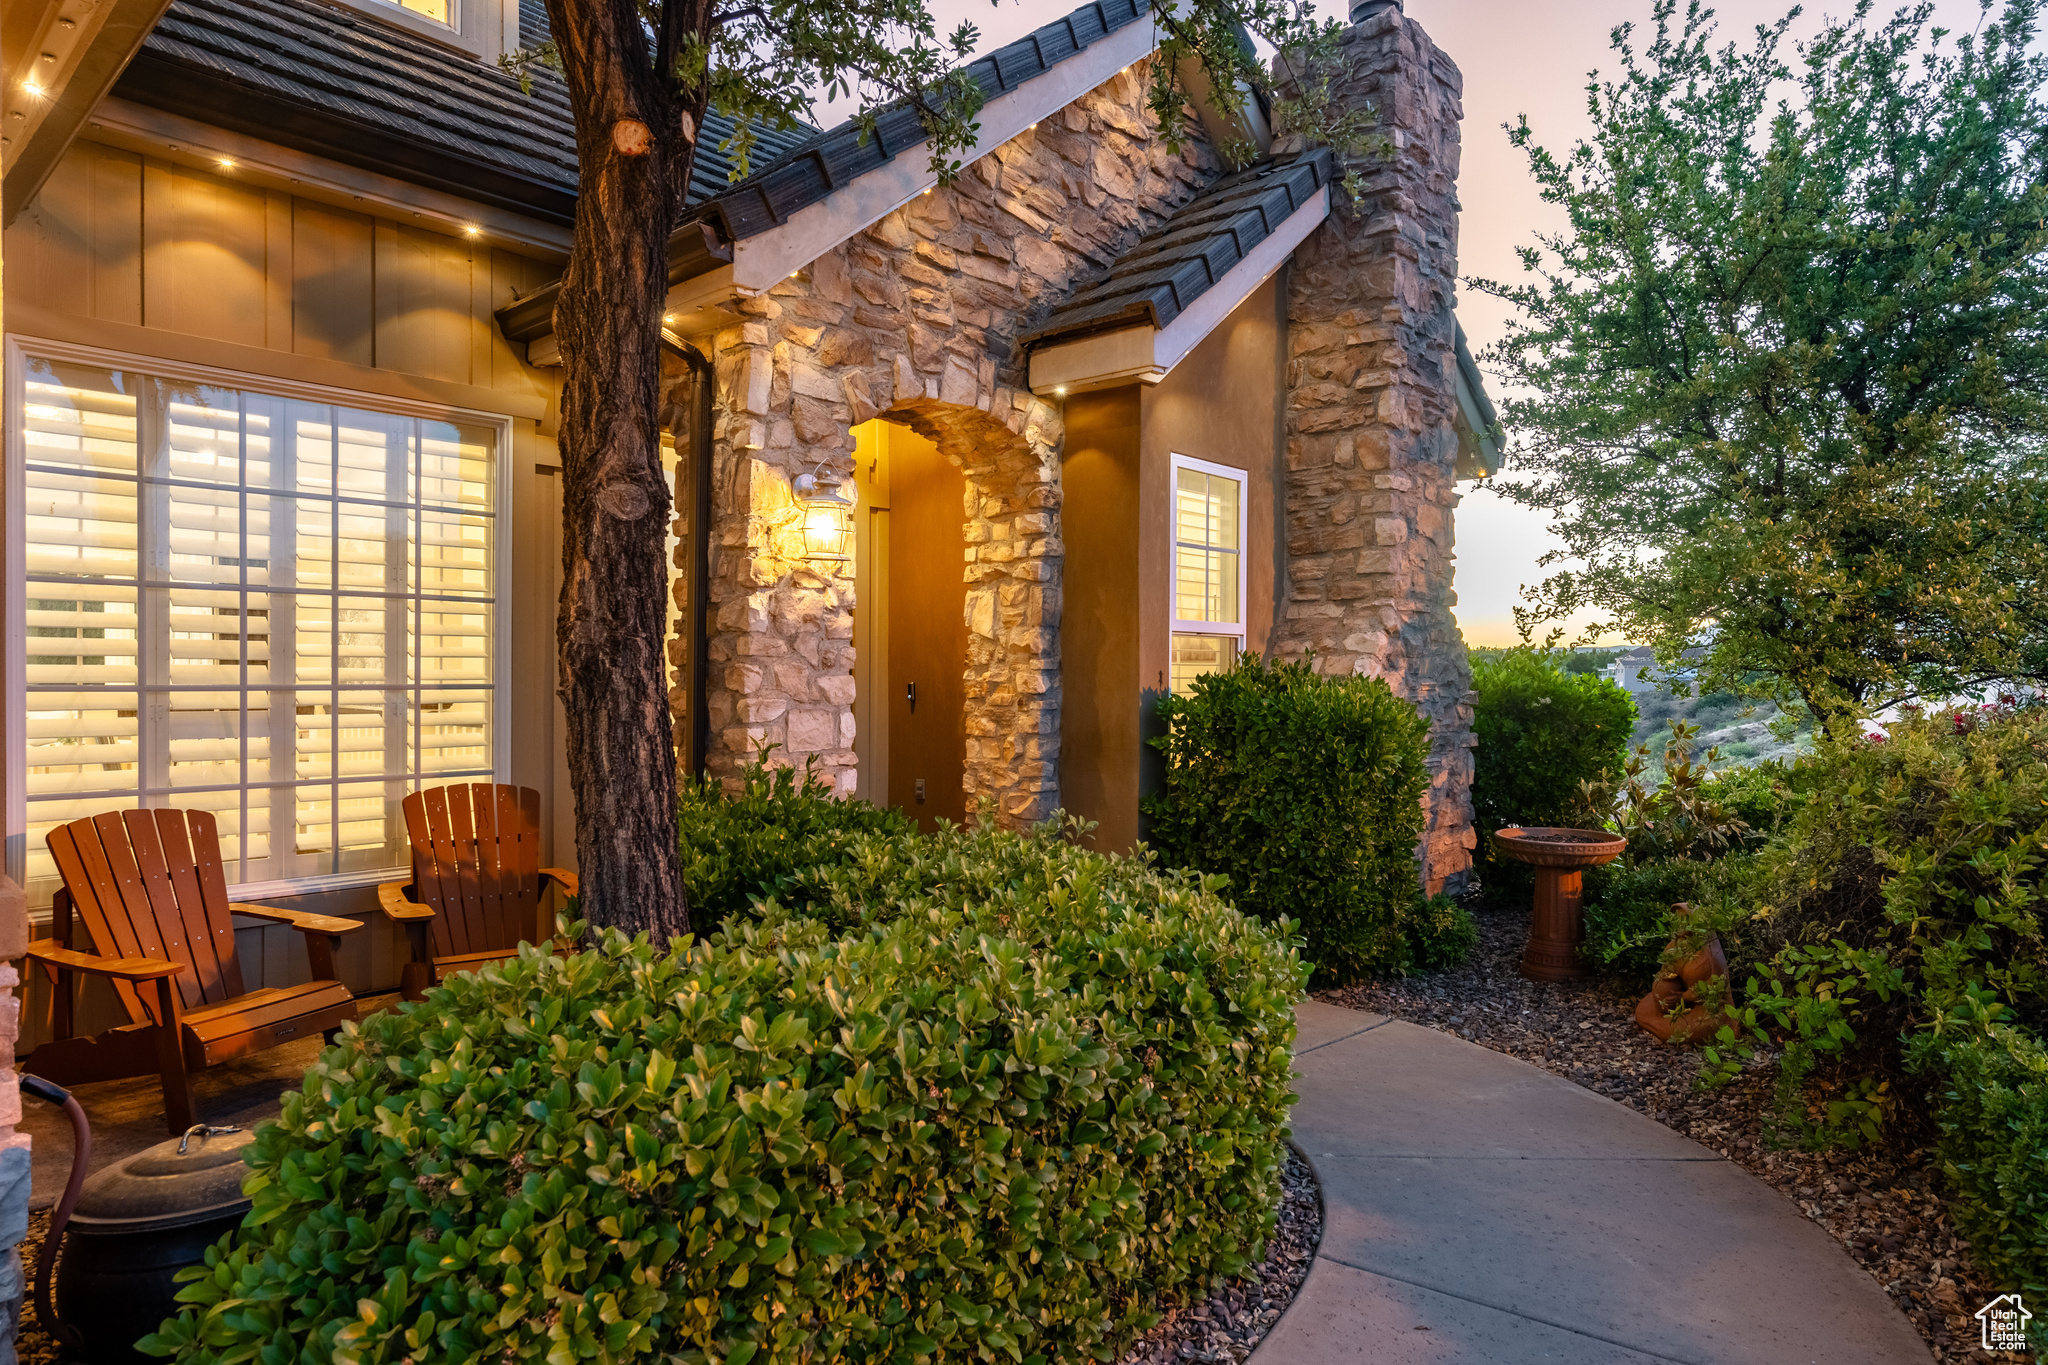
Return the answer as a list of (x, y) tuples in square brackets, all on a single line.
[(157, 1189)]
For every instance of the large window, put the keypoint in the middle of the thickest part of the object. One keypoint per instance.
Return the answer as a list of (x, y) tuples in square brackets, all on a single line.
[(1208, 568), (273, 607)]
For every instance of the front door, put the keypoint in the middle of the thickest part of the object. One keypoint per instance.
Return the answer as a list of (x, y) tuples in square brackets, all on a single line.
[(913, 594)]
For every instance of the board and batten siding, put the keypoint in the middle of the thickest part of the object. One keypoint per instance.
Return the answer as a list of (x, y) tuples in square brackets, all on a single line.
[(132, 254), (117, 237)]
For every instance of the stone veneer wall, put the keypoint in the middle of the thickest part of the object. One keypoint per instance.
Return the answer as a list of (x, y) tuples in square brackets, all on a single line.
[(1370, 446), (913, 320)]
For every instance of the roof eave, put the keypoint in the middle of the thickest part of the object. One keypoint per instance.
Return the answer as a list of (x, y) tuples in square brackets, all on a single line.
[(246, 108), (693, 249), (1482, 442), (1147, 354)]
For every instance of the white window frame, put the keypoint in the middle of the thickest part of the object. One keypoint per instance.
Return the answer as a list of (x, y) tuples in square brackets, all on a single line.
[(14, 556), (473, 30), (1242, 478)]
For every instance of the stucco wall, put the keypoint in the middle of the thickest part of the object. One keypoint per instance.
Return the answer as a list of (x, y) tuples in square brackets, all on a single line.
[(1101, 622), (1222, 403), (1370, 448), (914, 320)]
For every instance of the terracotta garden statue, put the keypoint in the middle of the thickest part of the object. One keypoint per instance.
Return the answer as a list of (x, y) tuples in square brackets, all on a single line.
[(1664, 1012)]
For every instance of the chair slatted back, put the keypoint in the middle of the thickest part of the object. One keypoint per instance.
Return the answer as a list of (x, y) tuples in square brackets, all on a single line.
[(476, 863), (149, 883)]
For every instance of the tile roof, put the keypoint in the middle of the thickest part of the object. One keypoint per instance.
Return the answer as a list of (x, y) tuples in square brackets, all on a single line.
[(825, 163), (1164, 272), (340, 84)]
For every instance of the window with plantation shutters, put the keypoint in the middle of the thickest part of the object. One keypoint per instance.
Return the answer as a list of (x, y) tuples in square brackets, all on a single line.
[(276, 608)]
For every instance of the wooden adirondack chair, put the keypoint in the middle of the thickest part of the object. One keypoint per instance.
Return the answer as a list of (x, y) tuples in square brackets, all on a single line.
[(150, 886), (476, 880)]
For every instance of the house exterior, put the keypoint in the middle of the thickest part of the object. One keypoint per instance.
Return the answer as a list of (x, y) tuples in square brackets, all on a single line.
[(282, 533), (1636, 670)]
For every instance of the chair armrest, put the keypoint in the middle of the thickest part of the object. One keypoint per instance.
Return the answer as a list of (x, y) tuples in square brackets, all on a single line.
[(391, 900), (298, 919), (565, 880), (121, 968)]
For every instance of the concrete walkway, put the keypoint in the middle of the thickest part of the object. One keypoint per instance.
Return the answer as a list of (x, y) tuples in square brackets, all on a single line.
[(1476, 1209)]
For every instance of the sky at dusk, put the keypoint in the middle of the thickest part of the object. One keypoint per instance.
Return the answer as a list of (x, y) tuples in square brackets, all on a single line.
[(1518, 57)]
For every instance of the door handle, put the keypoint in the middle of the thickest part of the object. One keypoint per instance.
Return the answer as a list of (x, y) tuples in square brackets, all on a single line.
[(910, 693)]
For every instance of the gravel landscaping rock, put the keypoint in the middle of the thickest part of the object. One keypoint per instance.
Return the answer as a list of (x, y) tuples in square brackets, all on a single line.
[(32, 1345), (1228, 1324), (1223, 1327), (1884, 1206)]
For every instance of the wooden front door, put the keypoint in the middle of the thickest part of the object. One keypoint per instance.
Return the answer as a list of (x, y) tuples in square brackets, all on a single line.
[(926, 656)]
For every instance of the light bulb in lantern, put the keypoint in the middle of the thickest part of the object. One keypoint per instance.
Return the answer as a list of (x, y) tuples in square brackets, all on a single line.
[(828, 518)]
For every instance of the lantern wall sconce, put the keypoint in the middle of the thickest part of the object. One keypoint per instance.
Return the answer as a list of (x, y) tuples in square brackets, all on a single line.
[(828, 517)]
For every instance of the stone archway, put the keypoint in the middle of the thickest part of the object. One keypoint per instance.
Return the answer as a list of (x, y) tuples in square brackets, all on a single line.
[(1014, 557), (780, 633)]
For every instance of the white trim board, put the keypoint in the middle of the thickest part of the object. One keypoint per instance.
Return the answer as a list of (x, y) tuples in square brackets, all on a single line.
[(1175, 463), (1146, 354)]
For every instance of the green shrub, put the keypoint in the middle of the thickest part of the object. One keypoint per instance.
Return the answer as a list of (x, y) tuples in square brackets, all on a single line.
[(1025, 1092), (1628, 913), (1992, 1111), (1306, 792), (749, 847), (1672, 810), (1908, 876), (1760, 795), (1887, 938), (1440, 934), (1542, 731)]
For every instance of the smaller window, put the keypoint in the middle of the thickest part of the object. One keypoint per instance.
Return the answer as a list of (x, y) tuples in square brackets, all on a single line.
[(440, 11), (1208, 569)]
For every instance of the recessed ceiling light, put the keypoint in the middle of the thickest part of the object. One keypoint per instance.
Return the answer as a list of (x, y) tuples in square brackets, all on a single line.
[(33, 88), (226, 163), (471, 229), (1060, 392)]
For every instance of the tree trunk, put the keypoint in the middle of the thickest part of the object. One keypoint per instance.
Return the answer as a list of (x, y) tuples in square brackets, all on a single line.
[(633, 157)]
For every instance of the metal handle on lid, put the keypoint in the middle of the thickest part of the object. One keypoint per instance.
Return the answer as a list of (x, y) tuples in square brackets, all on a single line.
[(204, 1130)]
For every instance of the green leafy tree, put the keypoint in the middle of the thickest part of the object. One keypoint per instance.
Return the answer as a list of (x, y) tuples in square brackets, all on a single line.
[(640, 77), (1786, 363)]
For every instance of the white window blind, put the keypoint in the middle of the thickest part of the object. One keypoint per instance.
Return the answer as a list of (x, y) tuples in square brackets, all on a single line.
[(277, 609), (1208, 569)]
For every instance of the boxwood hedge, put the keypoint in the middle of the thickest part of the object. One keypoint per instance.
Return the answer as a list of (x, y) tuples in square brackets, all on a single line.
[(996, 1097), (1306, 792)]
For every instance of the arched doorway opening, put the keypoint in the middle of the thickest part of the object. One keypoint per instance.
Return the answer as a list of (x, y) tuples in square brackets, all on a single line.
[(909, 624)]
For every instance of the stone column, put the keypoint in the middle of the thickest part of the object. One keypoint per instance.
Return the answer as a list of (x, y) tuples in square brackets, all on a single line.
[(1371, 451), (14, 1166)]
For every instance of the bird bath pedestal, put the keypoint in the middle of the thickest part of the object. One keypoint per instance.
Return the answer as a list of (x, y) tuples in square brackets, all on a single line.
[(1558, 927)]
